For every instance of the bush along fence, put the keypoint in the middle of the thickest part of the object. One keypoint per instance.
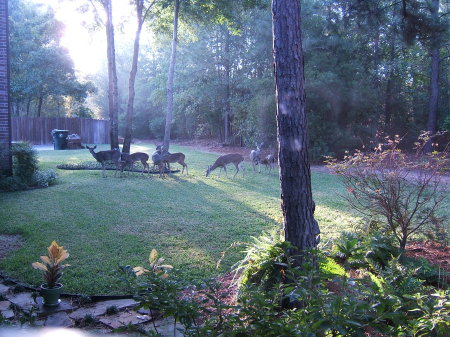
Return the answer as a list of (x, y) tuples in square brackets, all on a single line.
[(37, 130)]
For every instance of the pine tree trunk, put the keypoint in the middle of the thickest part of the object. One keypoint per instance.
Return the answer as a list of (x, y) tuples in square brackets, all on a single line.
[(132, 79), (434, 78), (227, 105), (170, 77), (300, 228), (113, 94), (39, 107)]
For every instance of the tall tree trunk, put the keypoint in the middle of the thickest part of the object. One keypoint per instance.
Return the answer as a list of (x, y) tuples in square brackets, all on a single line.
[(28, 106), (39, 107), (297, 204), (170, 77), (227, 105), (434, 77), (113, 94), (132, 79)]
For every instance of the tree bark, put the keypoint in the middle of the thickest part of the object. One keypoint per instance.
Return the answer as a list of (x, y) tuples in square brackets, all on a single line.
[(300, 227), (227, 105), (132, 79), (434, 78), (113, 93), (170, 77), (39, 107)]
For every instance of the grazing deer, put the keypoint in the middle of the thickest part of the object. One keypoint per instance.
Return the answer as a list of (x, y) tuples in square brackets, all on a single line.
[(222, 162), (157, 158), (103, 156), (268, 162), (178, 157), (255, 157), (130, 159)]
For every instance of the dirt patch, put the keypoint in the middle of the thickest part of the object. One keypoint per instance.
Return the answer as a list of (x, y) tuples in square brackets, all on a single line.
[(9, 243), (437, 254)]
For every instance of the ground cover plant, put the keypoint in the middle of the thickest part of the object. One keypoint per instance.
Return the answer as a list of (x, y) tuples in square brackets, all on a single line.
[(190, 219)]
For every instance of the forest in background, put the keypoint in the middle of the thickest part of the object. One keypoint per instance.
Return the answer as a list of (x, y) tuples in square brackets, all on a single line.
[(368, 71)]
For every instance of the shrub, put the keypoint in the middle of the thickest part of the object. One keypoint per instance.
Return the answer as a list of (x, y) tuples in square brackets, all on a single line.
[(25, 162), (25, 170), (11, 184), (386, 185), (44, 178)]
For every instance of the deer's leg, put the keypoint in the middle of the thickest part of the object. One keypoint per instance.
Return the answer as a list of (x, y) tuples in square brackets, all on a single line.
[(103, 170), (237, 169)]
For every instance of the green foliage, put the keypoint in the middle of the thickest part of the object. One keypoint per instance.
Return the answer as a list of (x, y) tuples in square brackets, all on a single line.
[(348, 250), (25, 170), (432, 275), (400, 192), (25, 162), (265, 262), (44, 178), (42, 71), (392, 303)]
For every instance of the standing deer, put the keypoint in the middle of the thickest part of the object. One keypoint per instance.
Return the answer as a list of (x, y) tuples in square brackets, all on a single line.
[(157, 158), (130, 159), (222, 162), (178, 157), (268, 162), (103, 156), (255, 157)]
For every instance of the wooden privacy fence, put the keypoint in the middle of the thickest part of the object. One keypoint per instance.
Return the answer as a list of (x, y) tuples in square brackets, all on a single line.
[(37, 130)]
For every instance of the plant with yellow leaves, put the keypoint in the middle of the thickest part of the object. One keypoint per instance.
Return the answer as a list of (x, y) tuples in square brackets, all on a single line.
[(156, 266), (51, 265)]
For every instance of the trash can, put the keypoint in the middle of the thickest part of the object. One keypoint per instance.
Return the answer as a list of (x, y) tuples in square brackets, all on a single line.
[(59, 139)]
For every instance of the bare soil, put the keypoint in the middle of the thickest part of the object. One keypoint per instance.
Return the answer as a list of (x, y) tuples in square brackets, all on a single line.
[(9, 243)]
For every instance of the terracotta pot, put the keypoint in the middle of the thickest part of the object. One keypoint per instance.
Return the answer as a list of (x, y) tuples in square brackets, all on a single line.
[(51, 295)]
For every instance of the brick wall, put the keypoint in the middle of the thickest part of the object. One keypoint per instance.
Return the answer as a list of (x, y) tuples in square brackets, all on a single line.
[(5, 117)]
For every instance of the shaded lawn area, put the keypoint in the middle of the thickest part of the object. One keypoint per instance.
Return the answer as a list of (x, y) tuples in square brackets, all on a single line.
[(190, 220)]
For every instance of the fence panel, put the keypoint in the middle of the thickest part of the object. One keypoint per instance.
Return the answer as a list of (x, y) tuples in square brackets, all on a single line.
[(37, 130)]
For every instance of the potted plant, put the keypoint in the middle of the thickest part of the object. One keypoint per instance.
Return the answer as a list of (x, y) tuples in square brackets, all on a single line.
[(52, 272)]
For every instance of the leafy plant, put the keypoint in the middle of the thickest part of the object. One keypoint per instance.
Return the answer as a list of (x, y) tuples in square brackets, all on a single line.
[(51, 264), (266, 260), (388, 186), (25, 162), (156, 266), (348, 250)]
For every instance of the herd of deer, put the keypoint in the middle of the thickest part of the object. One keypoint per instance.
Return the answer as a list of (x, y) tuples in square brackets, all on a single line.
[(162, 158)]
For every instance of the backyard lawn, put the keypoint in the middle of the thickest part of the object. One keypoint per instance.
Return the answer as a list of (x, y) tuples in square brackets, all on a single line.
[(190, 220)]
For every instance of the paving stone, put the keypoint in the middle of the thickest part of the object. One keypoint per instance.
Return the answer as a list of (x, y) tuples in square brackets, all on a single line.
[(166, 328), (59, 319), (7, 314), (3, 289), (124, 318), (5, 310), (4, 305), (99, 308), (24, 301), (64, 305)]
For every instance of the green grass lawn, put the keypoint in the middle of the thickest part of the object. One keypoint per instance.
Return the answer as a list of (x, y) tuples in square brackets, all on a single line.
[(190, 220)]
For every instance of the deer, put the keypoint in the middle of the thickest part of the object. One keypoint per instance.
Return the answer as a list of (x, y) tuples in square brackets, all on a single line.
[(178, 157), (157, 158), (234, 158), (130, 159), (103, 156), (268, 162), (255, 157)]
